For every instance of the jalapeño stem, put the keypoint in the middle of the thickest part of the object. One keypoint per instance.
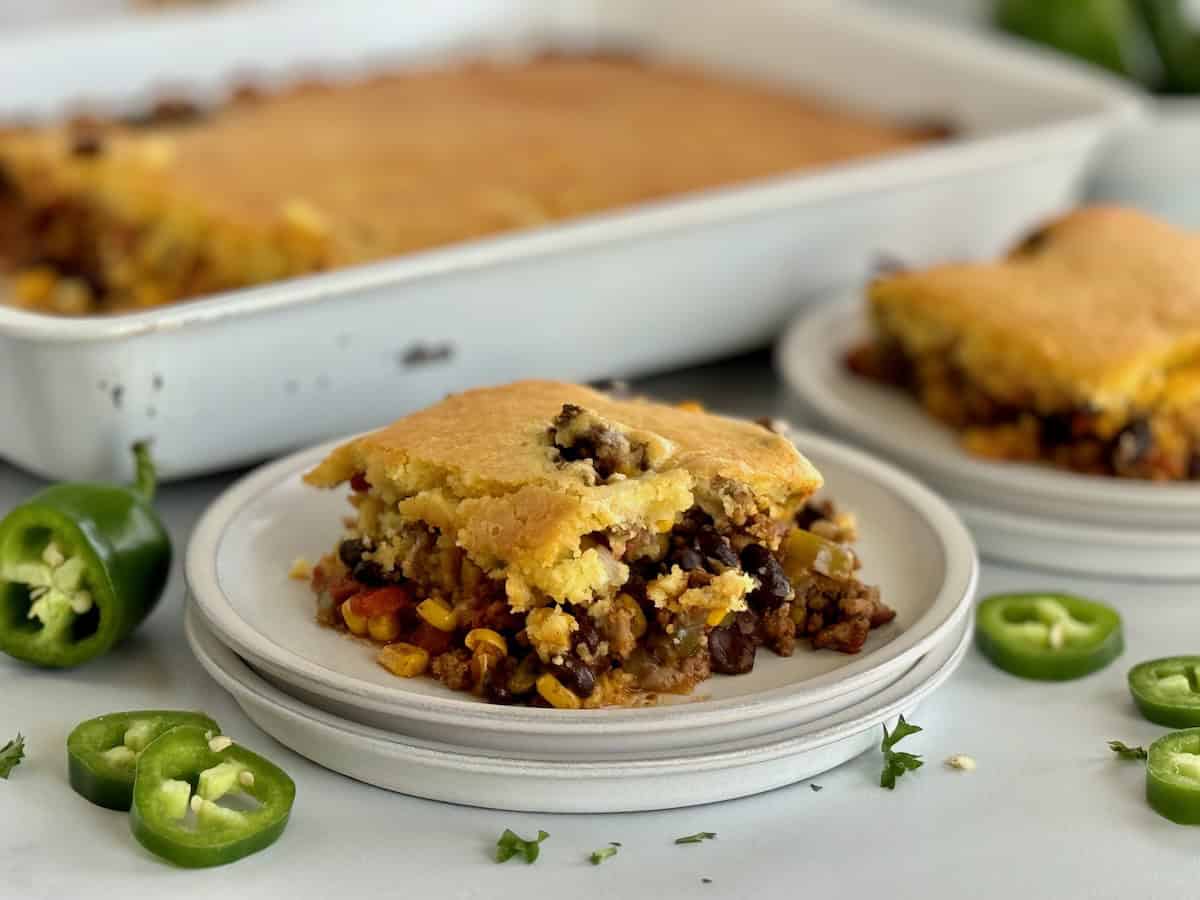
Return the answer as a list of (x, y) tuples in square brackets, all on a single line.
[(145, 480)]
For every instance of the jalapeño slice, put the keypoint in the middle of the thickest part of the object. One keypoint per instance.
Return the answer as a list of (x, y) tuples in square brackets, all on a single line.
[(102, 753), (202, 800), (1173, 776), (1048, 637), (1167, 691)]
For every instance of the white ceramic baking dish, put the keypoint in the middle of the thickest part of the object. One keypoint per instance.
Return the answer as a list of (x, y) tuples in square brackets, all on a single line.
[(244, 375)]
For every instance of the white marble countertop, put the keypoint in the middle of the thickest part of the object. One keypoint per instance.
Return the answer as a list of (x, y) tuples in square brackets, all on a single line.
[(1048, 813)]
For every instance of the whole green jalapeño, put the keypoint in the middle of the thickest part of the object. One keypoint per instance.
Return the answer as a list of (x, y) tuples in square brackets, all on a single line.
[(81, 565)]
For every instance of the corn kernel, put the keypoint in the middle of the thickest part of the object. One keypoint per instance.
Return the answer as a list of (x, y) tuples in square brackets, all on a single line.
[(638, 623), (356, 623), (717, 616), (385, 627), (476, 636), (33, 287), (405, 660), (437, 614), (554, 693)]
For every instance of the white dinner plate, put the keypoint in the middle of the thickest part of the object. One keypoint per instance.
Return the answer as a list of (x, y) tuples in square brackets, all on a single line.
[(912, 544), (658, 781), (1039, 542), (810, 357)]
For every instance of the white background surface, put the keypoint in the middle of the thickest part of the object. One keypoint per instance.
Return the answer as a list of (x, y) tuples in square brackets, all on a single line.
[(1048, 813)]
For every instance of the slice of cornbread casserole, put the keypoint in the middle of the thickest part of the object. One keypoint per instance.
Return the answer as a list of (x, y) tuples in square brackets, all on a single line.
[(544, 543), (1081, 348)]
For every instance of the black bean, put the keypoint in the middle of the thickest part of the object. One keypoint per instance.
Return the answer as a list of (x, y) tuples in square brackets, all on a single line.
[(370, 573), (575, 675), (693, 520), (808, 514), (495, 686), (716, 546), (1132, 445), (351, 551), (730, 651), (588, 634), (497, 692), (1058, 429), (688, 559), (773, 589)]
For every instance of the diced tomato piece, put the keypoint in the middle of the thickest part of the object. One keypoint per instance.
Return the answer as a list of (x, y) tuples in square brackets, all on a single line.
[(359, 483), (382, 601), (341, 589), (432, 640)]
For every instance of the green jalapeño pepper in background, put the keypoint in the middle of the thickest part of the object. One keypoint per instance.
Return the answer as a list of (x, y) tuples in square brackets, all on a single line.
[(1108, 33), (201, 800), (1175, 28), (1173, 776), (1167, 691), (81, 565), (102, 753), (1049, 637)]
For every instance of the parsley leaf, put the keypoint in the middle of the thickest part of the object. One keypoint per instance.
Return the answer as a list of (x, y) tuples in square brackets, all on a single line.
[(895, 762), (599, 856), (11, 755), (511, 844), (697, 838), (1124, 752), (815, 787)]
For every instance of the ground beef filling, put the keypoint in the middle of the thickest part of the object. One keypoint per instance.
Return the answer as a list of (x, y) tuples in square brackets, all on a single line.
[(1162, 447), (632, 648)]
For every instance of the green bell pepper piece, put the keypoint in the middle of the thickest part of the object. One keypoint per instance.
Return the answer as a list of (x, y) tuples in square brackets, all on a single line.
[(1173, 776), (1167, 691), (177, 812), (81, 565), (1048, 637), (102, 753)]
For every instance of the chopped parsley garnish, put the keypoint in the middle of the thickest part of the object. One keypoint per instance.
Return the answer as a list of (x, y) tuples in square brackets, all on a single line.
[(599, 856), (815, 787), (1125, 752), (697, 838), (11, 755), (512, 844), (704, 880), (896, 763)]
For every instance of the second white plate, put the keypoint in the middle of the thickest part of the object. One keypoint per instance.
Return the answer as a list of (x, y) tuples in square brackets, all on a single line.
[(913, 545), (656, 781), (810, 357)]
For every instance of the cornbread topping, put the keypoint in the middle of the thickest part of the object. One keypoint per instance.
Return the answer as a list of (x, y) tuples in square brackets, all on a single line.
[(1081, 348), (118, 216), (544, 543)]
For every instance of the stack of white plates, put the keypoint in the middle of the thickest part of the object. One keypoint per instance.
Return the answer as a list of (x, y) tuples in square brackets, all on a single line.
[(1028, 514), (321, 693)]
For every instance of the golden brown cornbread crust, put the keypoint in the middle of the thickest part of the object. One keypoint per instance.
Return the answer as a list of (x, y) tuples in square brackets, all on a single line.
[(320, 176), (480, 465), (1081, 348), (1092, 313)]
